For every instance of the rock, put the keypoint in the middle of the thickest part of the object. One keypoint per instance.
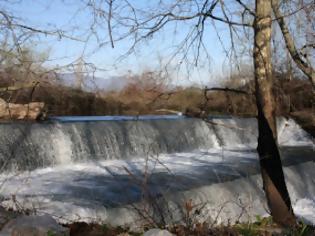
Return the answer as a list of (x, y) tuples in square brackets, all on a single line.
[(33, 226), (29, 111), (6, 216), (157, 232)]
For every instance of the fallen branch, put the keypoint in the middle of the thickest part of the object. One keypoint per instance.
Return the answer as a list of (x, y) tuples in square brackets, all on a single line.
[(170, 111), (226, 90)]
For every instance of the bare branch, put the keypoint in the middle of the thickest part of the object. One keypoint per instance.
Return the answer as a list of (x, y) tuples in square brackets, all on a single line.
[(246, 7), (304, 66), (109, 22)]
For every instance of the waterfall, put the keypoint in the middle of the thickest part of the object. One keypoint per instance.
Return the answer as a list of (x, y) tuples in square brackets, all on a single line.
[(27, 146), (90, 170)]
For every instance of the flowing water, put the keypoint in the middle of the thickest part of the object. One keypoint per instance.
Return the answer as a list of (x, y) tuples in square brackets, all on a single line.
[(108, 168)]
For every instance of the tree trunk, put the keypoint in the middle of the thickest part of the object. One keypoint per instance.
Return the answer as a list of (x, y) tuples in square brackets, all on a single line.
[(270, 162)]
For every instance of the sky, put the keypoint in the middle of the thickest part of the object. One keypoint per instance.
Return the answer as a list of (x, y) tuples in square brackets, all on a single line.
[(70, 16)]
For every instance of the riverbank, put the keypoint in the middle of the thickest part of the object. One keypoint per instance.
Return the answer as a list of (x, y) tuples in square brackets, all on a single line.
[(263, 226), (17, 223)]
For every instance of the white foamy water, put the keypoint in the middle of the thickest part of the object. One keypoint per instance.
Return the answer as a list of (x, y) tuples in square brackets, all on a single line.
[(104, 191), (63, 146), (305, 209), (291, 134)]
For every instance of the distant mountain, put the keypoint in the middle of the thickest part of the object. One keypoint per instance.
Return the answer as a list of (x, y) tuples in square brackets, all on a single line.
[(91, 84)]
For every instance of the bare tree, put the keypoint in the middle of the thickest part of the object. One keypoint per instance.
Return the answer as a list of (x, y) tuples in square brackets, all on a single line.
[(270, 161), (143, 24)]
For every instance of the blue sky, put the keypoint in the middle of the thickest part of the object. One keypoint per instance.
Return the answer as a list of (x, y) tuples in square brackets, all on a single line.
[(65, 15)]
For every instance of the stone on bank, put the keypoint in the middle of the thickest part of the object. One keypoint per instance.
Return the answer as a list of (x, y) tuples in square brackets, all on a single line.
[(33, 226), (157, 232)]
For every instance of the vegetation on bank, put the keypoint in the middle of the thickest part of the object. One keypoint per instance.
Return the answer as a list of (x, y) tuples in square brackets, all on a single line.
[(146, 94), (261, 227)]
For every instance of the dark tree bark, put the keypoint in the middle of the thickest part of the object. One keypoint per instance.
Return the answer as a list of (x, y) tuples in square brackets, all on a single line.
[(270, 162)]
